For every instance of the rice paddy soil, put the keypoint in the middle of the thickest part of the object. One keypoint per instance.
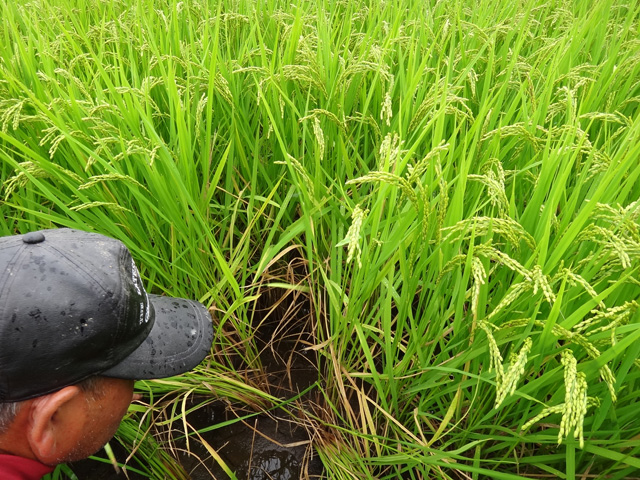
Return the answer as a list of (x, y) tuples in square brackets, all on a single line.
[(265, 446), (260, 449)]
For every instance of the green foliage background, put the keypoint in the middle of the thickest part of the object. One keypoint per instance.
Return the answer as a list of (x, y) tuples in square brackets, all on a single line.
[(458, 180)]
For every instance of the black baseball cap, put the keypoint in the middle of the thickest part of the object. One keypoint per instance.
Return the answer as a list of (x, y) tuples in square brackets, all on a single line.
[(72, 305)]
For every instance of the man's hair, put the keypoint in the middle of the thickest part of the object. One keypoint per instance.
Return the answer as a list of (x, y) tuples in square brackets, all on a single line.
[(9, 410)]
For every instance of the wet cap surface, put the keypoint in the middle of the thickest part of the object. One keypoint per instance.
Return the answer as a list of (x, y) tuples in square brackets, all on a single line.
[(73, 305), (180, 338)]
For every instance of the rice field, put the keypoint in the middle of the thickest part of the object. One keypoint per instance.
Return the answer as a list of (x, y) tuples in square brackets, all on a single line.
[(444, 194)]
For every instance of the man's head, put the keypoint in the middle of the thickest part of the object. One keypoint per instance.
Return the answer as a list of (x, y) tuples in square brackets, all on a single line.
[(68, 424), (76, 328)]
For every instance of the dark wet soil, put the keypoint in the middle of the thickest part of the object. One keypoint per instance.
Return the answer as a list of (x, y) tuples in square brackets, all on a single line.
[(254, 447), (259, 448)]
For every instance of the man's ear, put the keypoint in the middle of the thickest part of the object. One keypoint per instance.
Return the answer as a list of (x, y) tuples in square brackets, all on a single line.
[(54, 421)]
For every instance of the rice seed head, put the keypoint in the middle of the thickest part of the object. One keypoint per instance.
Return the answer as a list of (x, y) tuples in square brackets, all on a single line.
[(153, 153), (389, 178), (304, 75), (502, 258), (621, 247), (543, 414), (613, 317), (493, 177), (55, 136), (109, 205), (623, 219), (473, 79), (575, 400), (317, 112), (451, 264), (222, 87), (512, 295), (364, 66), (307, 49), (353, 235), (199, 111), (496, 191), (21, 179), (317, 131), (495, 357), (386, 112), (513, 373), (520, 130), (31, 169), (507, 227), (479, 278), (96, 179), (364, 120), (390, 151), (575, 279), (133, 147), (302, 172), (443, 203), (607, 375), (425, 206), (485, 124), (416, 171), (262, 71), (541, 281), (12, 115), (616, 117)]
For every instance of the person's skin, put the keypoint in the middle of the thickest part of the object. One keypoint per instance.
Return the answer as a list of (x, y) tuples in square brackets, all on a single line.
[(69, 424)]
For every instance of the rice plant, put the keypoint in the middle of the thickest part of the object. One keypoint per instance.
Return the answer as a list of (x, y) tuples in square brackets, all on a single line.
[(460, 180)]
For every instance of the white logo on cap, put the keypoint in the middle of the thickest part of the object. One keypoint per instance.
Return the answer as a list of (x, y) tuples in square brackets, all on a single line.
[(145, 314), (135, 278)]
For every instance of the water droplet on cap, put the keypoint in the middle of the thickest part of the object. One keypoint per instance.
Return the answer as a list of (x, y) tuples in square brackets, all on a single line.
[(33, 237)]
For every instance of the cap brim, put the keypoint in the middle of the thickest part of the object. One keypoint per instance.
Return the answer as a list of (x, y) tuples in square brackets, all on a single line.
[(179, 340)]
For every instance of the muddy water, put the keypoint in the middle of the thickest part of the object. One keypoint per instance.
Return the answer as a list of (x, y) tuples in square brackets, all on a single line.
[(262, 447)]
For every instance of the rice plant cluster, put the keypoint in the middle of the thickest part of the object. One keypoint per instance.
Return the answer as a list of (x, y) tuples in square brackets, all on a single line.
[(458, 178)]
